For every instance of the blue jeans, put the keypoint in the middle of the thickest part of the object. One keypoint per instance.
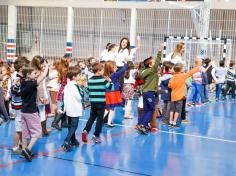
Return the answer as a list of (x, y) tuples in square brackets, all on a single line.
[(72, 127), (148, 108), (195, 93), (218, 90)]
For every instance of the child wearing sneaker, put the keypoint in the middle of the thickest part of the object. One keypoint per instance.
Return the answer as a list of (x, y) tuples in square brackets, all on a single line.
[(97, 86), (31, 125), (197, 80), (73, 107), (230, 80), (165, 78), (16, 103), (178, 91), (149, 89)]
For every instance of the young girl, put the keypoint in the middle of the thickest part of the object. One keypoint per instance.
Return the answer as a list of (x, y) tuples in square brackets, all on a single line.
[(6, 85), (42, 97), (62, 79), (31, 126), (53, 85), (128, 88), (113, 98)]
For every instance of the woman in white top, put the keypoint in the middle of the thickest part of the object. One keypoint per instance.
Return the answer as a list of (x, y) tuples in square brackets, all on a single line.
[(176, 56), (110, 55), (128, 88), (125, 53), (125, 50), (105, 51)]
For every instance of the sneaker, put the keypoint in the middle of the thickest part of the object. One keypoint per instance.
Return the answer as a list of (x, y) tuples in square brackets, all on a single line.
[(75, 143), (27, 154), (110, 125), (154, 130), (199, 104), (84, 136), (128, 117), (189, 104), (185, 121), (175, 126), (66, 146), (96, 139), (170, 124), (16, 151), (56, 126), (142, 129)]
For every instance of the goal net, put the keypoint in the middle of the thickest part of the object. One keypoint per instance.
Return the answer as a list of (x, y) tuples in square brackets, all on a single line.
[(214, 48)]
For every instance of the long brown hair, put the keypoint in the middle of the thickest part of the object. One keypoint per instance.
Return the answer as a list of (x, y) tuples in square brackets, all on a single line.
[(8, 68), (178, 48), (62, 69), (128, 44), (37, 61), (129, 67), (109, 68)]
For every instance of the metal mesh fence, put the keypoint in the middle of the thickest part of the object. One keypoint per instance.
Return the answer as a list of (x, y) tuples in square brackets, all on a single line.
[(3, 31), (42, 30)]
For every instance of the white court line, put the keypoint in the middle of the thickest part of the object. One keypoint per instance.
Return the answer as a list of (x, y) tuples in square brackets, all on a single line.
[(183, 134)]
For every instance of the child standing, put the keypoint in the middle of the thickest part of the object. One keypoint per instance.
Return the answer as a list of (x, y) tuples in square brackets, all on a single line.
[(230, 80), (128, 88), (31, 126), (113, 97), (196, 91), (178, 91), (218, 75), (149, 89), (6, 85), (16, 103), (42, 96), (73, 98), (97, 86), (167, 75)]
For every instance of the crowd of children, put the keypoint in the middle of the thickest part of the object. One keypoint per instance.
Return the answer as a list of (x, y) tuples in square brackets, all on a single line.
[(31, 91)]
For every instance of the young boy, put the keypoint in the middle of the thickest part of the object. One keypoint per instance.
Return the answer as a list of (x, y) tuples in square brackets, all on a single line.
[(31, 125), (230, 80), (16, 103), (218, 75), (73, 107), (166, 97), (97, 86), (149, 89), (178, 91), (197, 80)]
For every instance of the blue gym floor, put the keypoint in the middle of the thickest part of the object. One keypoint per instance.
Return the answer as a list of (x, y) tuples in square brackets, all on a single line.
[(205, 146)]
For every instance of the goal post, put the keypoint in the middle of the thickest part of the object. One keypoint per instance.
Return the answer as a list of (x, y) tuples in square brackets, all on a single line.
[(215, 48)]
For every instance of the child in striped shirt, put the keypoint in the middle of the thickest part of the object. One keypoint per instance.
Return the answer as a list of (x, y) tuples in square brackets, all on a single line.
[(97, 86), (230, 80)]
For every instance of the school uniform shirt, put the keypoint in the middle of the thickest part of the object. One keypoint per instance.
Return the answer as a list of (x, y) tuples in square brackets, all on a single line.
[(72, 100), (29, 96)]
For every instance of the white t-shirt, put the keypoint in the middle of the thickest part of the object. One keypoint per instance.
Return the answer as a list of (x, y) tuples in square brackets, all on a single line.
[(175, 60), (72, 100), (120, 56), (108, 56), (131, 79)]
